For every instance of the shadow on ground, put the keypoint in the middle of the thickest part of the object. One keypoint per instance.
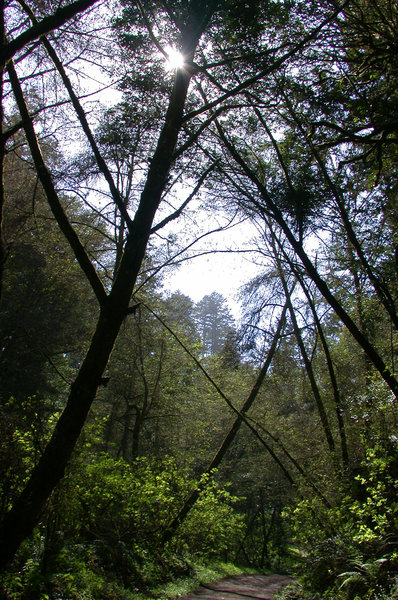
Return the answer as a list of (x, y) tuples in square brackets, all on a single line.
[(241, 587)]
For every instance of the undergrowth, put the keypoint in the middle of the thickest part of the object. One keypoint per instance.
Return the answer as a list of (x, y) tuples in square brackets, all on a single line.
[(85, 581), (201, 574)]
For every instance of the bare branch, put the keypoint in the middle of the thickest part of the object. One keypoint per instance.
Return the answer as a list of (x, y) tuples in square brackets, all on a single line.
[(83, 121), (178, 212), (275, 65), (52, 196), (61, 16)]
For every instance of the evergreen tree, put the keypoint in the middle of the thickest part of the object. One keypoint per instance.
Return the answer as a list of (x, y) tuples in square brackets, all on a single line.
[(214, 323)]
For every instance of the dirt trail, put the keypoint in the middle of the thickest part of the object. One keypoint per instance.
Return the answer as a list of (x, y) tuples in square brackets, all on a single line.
[(241, 587)]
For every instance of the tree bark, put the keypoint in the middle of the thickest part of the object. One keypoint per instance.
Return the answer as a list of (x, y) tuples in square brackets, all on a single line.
[(24, 515)]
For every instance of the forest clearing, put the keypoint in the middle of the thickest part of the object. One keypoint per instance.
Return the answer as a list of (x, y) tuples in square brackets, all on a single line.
[(151, 443)]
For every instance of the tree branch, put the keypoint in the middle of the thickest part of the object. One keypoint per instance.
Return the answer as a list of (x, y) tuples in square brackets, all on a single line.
[(61, 16), (178, 212), (267, 203), (276, 64), (52, 196), (83, 121)]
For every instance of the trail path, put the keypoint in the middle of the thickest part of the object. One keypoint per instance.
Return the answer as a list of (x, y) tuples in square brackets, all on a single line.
[(241, 587)]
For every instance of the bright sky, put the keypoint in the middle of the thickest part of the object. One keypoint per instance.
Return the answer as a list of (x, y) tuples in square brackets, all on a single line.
[(205, 275), (223, 272)]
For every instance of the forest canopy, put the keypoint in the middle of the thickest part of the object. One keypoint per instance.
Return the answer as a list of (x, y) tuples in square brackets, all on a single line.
[(142, 433)]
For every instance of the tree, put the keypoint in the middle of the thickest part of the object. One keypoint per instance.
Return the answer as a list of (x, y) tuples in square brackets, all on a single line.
[(261, 201), (214, 322), (179, 142), (113, 306)]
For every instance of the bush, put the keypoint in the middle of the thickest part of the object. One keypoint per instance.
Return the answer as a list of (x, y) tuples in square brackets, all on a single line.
[(351, 549), (104, 524)]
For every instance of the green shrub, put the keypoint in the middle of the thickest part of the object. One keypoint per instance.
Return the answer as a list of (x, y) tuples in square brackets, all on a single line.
[(350, 549), (104, 524)]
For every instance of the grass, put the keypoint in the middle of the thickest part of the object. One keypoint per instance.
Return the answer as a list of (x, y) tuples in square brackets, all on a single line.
[(201, 574)]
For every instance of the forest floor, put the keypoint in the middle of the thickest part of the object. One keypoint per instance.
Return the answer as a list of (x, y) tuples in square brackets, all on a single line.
[(241, 587)]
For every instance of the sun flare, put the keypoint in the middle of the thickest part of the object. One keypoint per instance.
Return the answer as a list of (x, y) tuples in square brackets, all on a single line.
[(175, 60)]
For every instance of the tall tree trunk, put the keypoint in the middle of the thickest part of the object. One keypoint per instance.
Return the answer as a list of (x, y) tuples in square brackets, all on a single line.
[(123, 449), (332, 375), (266, 533), (307, 362), (2, 154), (382, 291), (24, 515), (247, 533), (329, 362)]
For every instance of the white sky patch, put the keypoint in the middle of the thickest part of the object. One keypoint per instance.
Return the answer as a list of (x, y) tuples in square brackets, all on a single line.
[(224, 271)]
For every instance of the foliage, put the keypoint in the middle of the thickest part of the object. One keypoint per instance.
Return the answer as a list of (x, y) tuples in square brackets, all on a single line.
[(213, 322), (81, 578), (212, 527), (125, 502), (202, 573), (352, 550), (103, 525)]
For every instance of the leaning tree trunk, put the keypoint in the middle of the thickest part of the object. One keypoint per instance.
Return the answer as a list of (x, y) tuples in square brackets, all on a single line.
[(332, 374), (229, 438), (25, 513), (307, 362), (266, 206)]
